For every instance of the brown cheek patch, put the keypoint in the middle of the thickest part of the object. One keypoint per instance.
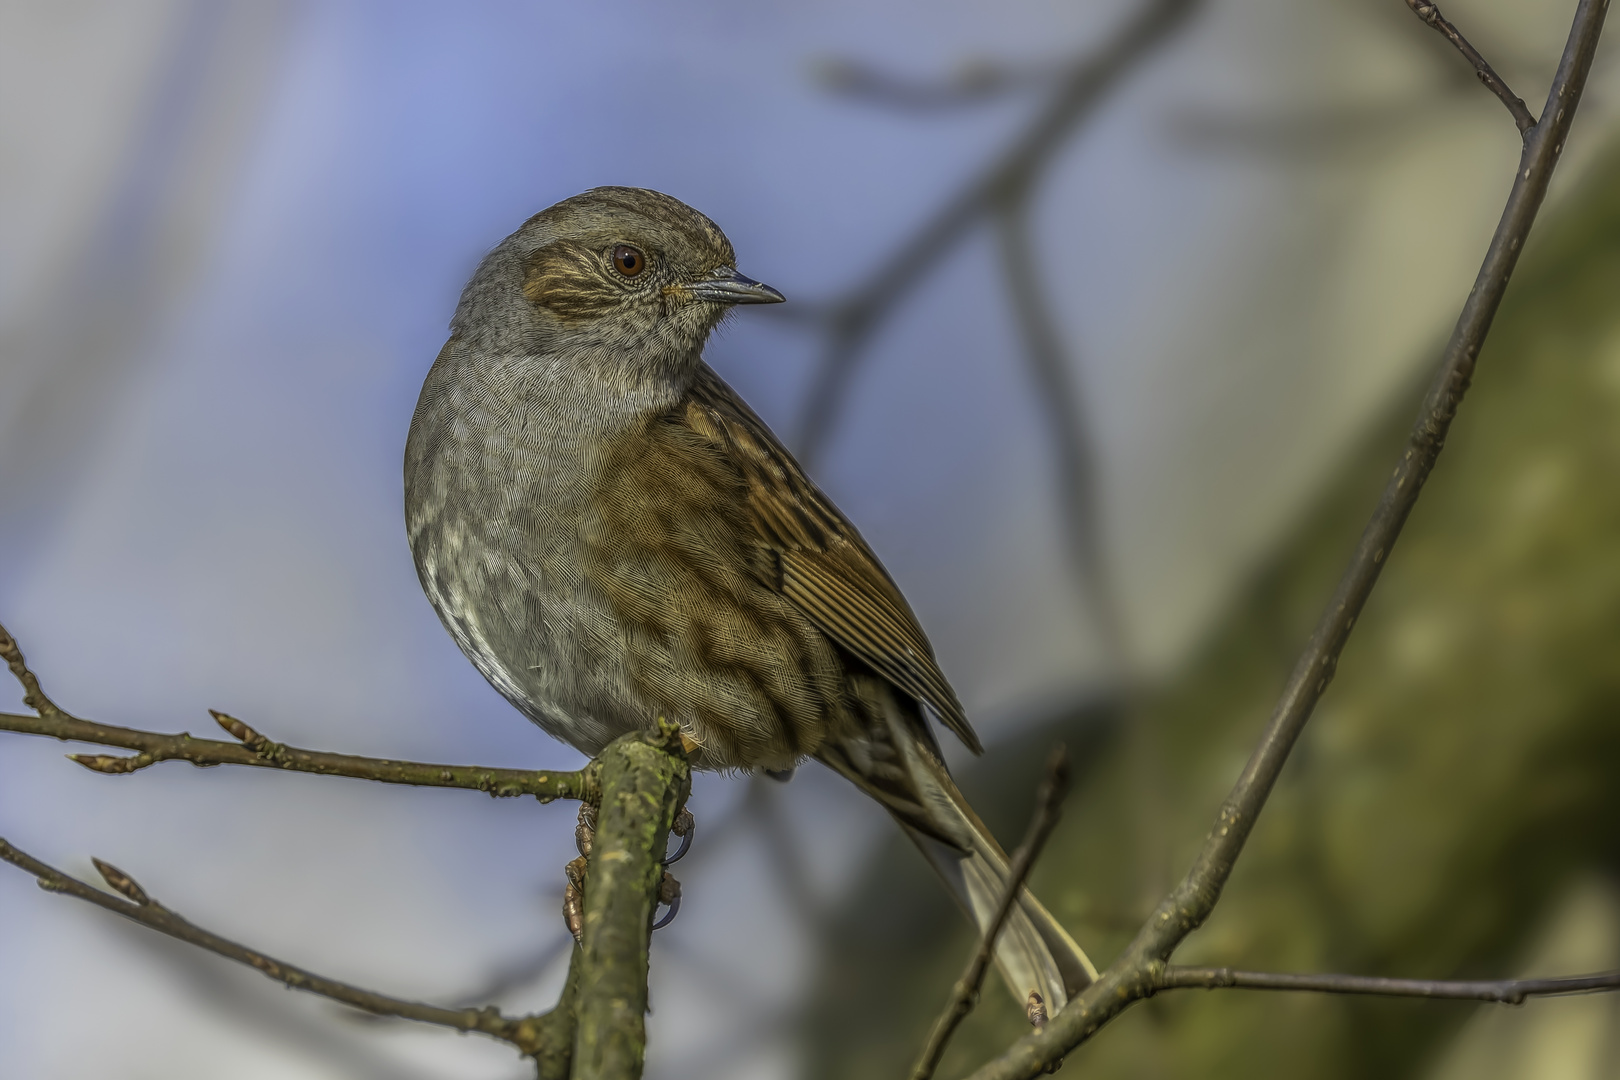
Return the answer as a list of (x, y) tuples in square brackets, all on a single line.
[(564, 279)]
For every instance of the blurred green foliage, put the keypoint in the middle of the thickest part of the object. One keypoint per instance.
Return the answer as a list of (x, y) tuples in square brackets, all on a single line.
[(1462, 770)]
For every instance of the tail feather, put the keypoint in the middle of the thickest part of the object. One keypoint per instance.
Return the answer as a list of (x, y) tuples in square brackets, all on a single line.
[(897, 763), (1033, 952)]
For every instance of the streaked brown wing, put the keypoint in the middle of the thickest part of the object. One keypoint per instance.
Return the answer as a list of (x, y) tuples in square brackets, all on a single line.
[(823, 566)]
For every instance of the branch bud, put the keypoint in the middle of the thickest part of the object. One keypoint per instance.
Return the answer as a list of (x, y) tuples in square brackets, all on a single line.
[(244, 734), (122, 883), (112, 765)]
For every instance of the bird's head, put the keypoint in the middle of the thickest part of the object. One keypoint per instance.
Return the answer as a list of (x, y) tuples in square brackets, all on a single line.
[(613, 272)]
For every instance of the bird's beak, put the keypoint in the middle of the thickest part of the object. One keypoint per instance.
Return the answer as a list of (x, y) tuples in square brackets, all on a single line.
[(726, 286)]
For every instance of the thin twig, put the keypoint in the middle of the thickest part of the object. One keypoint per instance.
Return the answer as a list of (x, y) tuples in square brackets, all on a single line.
[(850, 320), (252, 748), (1344, 130), (514, 975), (1503, 991), (525, 1033), (1136, 973), (1073, 445), (1430, 14), (33, 696), (1048, 808)]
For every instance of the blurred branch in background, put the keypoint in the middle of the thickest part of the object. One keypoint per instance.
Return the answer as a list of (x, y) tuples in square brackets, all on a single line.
[(522, 972), (1138, 973), (975, 82), (510, 976), (81, 346), (223, 991), (1472, 848), (1059, 402), (1002, 189)]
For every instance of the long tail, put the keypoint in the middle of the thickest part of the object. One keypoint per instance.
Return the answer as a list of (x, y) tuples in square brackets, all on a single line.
[(898, 764), (1034, 952)]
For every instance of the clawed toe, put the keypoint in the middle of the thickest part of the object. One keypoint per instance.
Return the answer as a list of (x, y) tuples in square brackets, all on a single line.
[(685, 826), (574, 891), (669, 889), (574, 899), (669, 894)]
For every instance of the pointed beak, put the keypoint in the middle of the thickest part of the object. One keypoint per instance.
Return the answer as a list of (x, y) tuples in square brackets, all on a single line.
[(726, 286)]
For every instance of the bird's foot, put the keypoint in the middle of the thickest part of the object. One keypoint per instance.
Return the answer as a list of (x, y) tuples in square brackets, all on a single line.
[(685, 826), (669, 889), (574, 899), (585, 830), (1035, 1009), (574, 891), (669, 894)]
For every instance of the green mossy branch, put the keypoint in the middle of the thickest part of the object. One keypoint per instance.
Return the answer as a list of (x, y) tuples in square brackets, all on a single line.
[(645, 779)]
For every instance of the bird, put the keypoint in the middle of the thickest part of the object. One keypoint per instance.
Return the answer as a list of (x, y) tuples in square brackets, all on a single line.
[(612, 536)]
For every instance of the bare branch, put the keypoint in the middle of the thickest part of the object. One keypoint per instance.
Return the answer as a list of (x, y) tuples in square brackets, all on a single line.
[(254, 749), (528, 1033), (850, 320), (794, 879), (1504, 991), (33, 696), (646, 779), (1048, 808), (1136, 974), (1430, 14)]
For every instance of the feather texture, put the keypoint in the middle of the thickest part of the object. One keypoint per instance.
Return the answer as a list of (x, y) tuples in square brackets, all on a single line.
[(823, 565)]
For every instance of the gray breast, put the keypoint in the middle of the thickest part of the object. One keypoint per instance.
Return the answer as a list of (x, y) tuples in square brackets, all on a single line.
[(498, 469)]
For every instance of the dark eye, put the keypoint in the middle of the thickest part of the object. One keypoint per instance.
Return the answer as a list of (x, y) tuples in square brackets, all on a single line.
[(628, 260)]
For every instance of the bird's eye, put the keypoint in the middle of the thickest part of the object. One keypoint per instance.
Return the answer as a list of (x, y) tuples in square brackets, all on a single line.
[(628, 260)]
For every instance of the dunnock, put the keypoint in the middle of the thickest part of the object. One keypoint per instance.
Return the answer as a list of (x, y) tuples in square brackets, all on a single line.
[(611, 535)]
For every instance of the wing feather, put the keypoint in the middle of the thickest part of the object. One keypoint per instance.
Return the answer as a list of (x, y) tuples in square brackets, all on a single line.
[(823, 565)]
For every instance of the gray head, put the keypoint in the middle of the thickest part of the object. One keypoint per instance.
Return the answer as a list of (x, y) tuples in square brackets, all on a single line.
[(614, 272)]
